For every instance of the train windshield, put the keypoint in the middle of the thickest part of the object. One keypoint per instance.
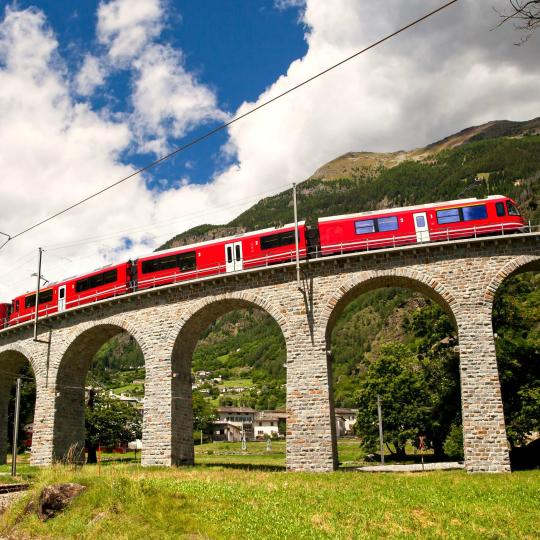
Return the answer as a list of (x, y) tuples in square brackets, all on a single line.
[(512, 209)]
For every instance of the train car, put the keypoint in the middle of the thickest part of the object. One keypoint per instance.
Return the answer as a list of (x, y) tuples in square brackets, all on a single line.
[(232, 254), (97, 285), (23, 308), (4, 315), (102, 283), (416, 224)]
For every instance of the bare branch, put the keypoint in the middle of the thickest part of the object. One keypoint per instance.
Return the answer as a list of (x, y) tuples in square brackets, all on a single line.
[(525, 14)]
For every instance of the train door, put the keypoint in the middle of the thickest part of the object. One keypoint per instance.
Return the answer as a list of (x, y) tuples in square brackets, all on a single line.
[(233, 257), (421, 227), (62, 298)]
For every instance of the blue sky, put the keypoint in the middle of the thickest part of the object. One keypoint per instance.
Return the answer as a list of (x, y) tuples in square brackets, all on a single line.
[(90, 93), (237, 47)]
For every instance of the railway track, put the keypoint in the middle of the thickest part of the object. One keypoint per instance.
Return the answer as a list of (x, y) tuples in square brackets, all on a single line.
[(12, 488)]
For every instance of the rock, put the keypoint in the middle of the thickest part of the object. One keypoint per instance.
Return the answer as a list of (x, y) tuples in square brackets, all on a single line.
[(55, 498)]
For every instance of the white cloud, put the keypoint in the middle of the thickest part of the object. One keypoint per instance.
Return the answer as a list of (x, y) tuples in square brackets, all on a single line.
[(448, 73), (168, 100), (90, 76), (286, 4), (126, 26)]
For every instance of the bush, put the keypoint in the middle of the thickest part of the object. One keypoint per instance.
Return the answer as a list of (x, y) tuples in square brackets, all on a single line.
[(453, 445)]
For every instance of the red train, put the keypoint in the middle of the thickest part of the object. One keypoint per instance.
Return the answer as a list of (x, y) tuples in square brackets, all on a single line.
[(338, 234)]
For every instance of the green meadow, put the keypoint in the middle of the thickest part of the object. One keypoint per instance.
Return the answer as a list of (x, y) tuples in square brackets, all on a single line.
[(232, 494)]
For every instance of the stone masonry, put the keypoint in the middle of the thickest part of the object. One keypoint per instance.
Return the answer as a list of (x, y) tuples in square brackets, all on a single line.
[(462, 276)]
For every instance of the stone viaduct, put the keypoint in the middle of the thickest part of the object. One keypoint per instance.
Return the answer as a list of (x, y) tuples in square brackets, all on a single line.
[(462, 276)]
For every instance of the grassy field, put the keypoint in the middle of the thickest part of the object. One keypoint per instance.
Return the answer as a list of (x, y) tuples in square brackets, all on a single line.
[(129, 502), (256, 455)]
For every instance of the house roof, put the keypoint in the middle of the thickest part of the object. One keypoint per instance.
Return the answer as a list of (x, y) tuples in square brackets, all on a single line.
[(235, 410), (345, 411)]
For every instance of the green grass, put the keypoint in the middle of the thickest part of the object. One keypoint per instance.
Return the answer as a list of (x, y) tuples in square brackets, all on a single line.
[(236, 382), (129, 502)]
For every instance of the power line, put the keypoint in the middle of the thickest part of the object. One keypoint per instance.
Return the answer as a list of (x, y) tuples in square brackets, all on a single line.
[(225, 125)]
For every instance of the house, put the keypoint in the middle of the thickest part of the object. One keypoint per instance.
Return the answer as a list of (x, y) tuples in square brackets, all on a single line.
[(233, 423), (345, 420), (267, 423)]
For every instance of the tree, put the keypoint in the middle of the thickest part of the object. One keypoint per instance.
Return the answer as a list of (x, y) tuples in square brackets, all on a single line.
[(525, 14), (110, 422), (516, 312), (436, 341), (396, 376), (204, 413)]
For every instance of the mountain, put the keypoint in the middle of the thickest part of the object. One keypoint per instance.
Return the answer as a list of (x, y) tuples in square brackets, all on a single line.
[(246, 347)]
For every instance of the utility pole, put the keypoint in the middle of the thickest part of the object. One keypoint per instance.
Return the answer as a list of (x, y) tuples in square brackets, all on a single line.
[(296, 237), (37, 294), (16, 429), (381, 436)]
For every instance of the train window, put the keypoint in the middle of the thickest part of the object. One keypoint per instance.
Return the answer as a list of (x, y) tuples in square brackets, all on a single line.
[(277, 240), (478, 211), (93, 282), (448, 216), (44, 297), (365, 226), (229, 254), (499, 207), (512, 210), (387, 224), (187, 261)]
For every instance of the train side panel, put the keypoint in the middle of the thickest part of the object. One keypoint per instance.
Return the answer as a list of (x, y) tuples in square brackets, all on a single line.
[(371, 231), (24, 306), (250, 250), (98, 285)]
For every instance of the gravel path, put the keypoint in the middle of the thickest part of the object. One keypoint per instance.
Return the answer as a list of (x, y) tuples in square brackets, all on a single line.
[(7, 498)]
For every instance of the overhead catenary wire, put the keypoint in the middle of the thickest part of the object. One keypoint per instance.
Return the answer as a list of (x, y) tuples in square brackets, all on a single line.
[(225, 125), (50, 249)]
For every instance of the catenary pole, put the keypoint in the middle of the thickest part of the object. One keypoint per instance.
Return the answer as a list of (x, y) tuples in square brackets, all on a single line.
[(296, 237), (381, 435), (16, 429), (37, 294)]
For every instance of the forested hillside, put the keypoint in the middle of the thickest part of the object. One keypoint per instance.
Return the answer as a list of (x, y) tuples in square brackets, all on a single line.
[(246, 347)]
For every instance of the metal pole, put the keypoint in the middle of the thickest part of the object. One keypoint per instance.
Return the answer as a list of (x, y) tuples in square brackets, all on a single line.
[(37, 294), (381, 436), (16, 429), (296, 236)]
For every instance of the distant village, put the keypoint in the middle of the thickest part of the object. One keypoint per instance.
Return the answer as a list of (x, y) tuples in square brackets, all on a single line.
[(231, 423)]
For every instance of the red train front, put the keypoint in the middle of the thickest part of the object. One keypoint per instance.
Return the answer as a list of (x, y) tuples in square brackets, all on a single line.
[(416, 224)]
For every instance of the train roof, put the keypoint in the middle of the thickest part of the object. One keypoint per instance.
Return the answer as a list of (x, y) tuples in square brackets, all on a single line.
[(220, 239), (405, 208)]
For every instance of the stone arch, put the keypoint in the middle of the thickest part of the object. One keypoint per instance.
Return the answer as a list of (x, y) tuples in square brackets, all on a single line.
[(182, 341), (74, 360), (367, 281), (519, 265), (12, 359)]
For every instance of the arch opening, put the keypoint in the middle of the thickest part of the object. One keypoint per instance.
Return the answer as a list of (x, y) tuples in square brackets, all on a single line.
[(228, 366), (394, 337), (97, 403), (14, 364), (516, 326)]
